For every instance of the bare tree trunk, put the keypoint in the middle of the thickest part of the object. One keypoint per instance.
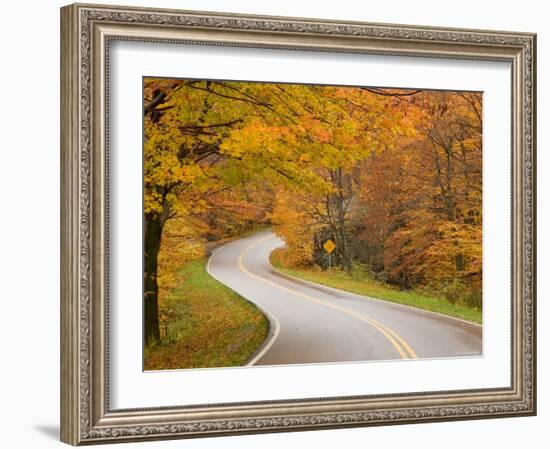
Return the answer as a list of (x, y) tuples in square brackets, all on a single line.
[(152, 239), (337, 211)]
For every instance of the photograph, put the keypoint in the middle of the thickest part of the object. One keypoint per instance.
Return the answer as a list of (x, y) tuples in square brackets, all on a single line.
[(303, 223)]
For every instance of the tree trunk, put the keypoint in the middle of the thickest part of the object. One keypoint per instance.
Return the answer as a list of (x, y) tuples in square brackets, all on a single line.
[(340, 219), (153, 232), (459, 262)]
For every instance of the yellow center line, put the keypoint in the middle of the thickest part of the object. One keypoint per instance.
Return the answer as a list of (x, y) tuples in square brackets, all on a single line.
[(400, 345)]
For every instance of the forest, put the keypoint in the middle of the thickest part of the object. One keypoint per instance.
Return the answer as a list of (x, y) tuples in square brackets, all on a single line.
[(392, 176)]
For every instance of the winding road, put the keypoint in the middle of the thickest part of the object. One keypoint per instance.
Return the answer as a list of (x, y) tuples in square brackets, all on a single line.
[(311, 323)]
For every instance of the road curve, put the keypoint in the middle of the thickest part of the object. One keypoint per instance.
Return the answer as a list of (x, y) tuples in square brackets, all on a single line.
[(311, 323)]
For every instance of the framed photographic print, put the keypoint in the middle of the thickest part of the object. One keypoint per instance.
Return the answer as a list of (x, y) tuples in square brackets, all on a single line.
[(280, 224)]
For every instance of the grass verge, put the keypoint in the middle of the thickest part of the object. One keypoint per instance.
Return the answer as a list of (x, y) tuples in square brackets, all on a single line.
[(205, 324), (361, 283)]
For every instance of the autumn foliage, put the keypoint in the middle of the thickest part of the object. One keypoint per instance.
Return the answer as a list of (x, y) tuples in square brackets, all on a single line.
[(392, 176)]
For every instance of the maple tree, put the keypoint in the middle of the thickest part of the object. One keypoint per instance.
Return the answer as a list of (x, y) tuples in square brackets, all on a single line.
[(392, 176)]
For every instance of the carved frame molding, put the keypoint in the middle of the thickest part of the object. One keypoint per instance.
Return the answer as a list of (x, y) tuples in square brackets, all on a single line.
[(87, 31)]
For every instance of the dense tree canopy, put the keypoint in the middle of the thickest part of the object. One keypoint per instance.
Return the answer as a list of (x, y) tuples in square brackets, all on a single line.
[(392, 176)]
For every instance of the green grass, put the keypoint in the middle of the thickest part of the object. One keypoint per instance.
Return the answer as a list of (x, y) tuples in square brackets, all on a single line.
[(361, 283), (205, 324)]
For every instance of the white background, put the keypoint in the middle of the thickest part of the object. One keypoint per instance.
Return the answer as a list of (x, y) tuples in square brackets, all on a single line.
[(132, 388), (29, 185)]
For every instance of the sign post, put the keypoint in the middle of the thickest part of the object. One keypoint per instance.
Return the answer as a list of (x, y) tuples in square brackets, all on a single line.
[(329, 246)]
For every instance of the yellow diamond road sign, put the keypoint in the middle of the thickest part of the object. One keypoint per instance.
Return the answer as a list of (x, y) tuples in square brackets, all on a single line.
[(329, 246)]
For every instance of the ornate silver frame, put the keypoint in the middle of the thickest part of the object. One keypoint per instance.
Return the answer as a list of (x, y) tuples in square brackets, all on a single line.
[(86, 33)]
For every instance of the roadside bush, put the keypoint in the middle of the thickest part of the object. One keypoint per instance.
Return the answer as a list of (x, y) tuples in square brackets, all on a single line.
[(456, 292)]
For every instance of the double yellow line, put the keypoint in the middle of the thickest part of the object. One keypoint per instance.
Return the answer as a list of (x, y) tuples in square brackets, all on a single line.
[(401, 346)]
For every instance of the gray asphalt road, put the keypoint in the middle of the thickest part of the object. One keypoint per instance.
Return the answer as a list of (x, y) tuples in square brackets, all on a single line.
[(311, 323)]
